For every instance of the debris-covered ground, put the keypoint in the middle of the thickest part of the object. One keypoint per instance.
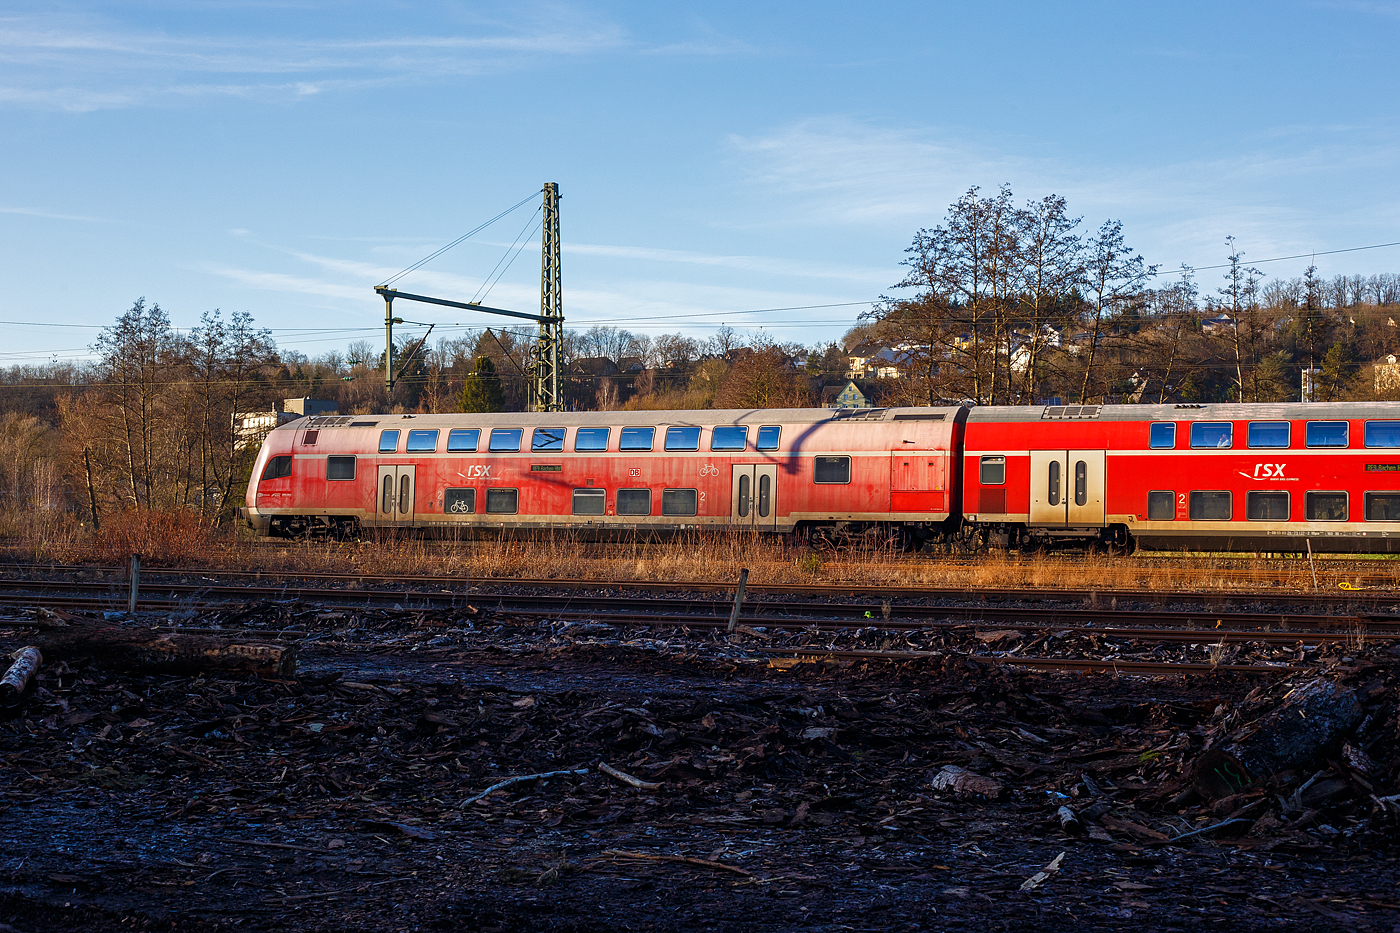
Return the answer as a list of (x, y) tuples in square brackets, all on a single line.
[(937, 793)]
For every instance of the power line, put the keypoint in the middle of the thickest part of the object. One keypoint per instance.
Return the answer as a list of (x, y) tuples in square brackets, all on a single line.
[(463, 237), (1330, 252)]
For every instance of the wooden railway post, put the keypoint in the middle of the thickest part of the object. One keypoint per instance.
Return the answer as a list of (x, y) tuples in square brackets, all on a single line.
[(738, 598), (135, 583)]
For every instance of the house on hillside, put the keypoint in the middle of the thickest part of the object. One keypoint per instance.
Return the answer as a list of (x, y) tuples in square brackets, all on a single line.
[(250, 429), (848, 397), (1218, 325)]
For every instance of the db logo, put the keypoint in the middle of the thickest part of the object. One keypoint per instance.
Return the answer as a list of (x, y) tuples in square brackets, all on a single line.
[(634, 472)]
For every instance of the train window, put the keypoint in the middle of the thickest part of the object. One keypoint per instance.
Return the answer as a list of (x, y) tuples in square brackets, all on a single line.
[(993, 471), (1210, 433), (1081, 482), (1383, 434), (421, 442), (459, 501), (1161, 505), (685, 437), (636, 438), (590, 501), (768, 436), (765, 495), (463, 439), (1162, 434), (503, 501), (1383, 507), (387, 505), (547, 439), (831, 469), (1325, 506), (634, 502), (679, 501), (388, 441), (340, 468), (277, 468), (1210, 506), (729, 437), (591, 439), (405, 492), (745, 494), (1053, 483), (505, 440), (309, 438), (1266, 506), (1267, 434), (1327, 434)]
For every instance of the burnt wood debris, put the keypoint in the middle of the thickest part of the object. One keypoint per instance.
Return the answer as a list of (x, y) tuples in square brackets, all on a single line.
[(443, 769)]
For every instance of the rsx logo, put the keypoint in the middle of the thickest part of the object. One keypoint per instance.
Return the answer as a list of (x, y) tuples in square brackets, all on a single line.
[(478, 471), (1265, 471)]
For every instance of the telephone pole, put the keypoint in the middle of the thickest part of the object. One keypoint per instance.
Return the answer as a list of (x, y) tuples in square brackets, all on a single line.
[(545, 391)]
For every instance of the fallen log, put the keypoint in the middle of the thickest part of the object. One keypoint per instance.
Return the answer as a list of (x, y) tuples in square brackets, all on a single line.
[(17, 678), (116, 648), (965, 784), (1310, 721)]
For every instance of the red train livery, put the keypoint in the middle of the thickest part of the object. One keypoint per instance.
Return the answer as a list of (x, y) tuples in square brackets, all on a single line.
[(1256, 477)]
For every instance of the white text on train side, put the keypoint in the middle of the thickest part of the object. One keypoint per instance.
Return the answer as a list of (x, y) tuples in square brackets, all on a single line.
[(477, 471)]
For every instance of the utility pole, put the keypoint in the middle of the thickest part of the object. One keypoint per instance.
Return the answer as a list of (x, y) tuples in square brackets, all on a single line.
[(546, 353)]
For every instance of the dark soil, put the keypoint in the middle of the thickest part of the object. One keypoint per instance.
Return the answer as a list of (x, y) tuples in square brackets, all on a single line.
[(789, 798)]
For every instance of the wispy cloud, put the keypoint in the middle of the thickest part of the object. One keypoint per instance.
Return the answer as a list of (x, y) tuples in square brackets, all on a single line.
[(53, 215)]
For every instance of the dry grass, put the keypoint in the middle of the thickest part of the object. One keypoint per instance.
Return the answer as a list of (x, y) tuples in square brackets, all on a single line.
[(180, 539)]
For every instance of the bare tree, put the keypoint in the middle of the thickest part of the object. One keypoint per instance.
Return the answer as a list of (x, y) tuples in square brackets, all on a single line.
[(1114, 275)]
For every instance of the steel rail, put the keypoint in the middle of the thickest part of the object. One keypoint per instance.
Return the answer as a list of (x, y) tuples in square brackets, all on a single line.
[(1086, 665)]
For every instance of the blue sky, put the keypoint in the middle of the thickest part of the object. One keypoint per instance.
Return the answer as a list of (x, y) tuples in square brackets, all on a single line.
[(282, 158)]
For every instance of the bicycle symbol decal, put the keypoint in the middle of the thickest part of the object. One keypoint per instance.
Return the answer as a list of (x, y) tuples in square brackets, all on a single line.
[(709, 469)]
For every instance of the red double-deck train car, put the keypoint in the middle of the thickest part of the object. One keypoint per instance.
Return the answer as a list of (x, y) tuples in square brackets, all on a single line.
[(612, 472), (1256, 477), (1279, 477)]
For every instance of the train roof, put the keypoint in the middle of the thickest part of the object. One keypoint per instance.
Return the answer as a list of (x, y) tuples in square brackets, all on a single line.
[(750, 416), (1270, 411)]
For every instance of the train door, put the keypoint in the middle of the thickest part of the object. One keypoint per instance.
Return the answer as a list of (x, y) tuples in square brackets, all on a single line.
[(754, 496), (394, 494), (1067, 487)]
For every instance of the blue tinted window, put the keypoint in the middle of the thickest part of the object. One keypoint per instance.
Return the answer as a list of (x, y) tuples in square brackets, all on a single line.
[(636, 438), (463, 439), (1162, 434), (504, 440), (683, 438), (729, 437), (1210, 433), (768, 436), (547, 439), (1383, 434), (1327, 434), (591, 439), (388, 441), (422, 442), (1268, 434)]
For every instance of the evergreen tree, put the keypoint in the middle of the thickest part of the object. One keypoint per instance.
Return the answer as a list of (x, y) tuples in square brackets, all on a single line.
[(482, 389)]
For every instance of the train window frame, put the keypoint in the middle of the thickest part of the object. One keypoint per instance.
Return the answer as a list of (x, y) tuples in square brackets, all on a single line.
[(496, 492), (389, 441), (1170, 495), (277, 467), (457, 440), (1258, 495), (580, 434), (765, 432), (1311, 494), (1053, 482), (1392, 426), (308, 438), (420, 448), (452, 495), (671, 497), (625, 505), (1197, 506), (1369, 497), (1161, 435), (682, 437), (630, 438), (825, 469), (1322, 441), (507, 436), (987, 470), (589, 495), (1263, 441), (735, 437), (547, 440), (1199, 435), (339, 461)]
